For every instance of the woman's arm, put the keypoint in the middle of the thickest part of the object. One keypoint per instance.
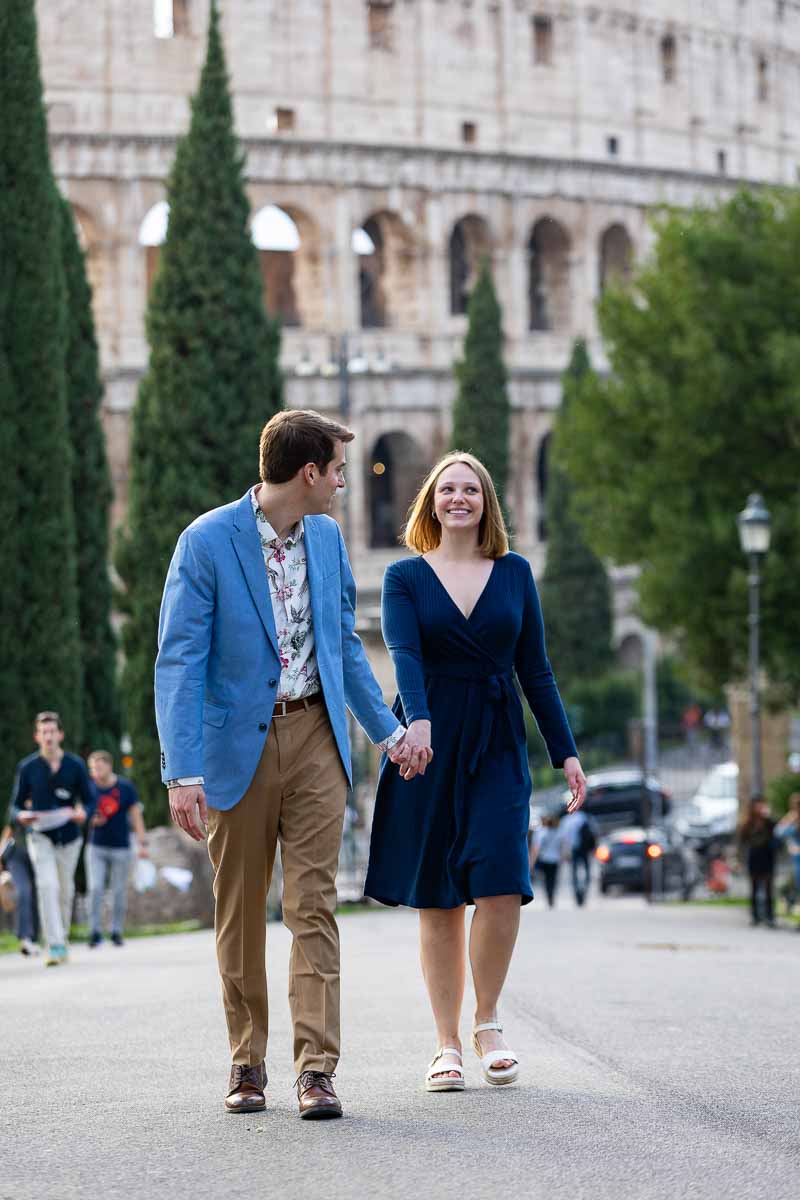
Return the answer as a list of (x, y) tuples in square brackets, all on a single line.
[(538, 682), (402, 637)]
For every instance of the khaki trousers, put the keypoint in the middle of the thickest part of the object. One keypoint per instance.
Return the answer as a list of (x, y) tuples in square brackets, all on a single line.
[(297, 796)]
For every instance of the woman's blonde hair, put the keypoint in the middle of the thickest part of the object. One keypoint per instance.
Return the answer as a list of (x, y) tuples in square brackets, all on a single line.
[(423, 532)]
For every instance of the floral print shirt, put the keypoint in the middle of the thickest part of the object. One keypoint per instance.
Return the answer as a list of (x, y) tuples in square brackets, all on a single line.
[(289, 593), (287, 575)]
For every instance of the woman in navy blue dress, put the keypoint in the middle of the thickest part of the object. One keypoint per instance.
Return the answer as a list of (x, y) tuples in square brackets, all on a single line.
[(463, 622)]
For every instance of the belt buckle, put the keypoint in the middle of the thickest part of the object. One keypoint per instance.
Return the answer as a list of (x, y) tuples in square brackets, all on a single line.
[(282, 704)]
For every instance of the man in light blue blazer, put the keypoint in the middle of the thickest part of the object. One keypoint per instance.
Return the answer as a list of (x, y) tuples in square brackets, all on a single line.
[(257, 661)]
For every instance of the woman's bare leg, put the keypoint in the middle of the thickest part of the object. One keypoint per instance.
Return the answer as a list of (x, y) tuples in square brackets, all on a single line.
[(443, 956), (492, 938)]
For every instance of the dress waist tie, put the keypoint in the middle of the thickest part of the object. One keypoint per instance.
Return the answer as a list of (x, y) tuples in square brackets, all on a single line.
[(499, 691)]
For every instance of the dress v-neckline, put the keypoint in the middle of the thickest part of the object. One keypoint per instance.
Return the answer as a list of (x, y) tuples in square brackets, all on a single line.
[(458, 609)]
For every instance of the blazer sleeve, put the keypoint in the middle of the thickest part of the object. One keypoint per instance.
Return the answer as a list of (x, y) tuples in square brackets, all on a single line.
[(537, 680), (184, 641), (402, 637), (362, 692)]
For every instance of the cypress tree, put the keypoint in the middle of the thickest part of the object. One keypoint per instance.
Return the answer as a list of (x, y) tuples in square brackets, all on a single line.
[(213, 381), (91, 501), (481, 414), (39, 645), (576, 597)]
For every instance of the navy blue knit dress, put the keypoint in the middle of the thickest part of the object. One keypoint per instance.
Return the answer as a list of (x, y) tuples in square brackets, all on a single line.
[(460, 830)]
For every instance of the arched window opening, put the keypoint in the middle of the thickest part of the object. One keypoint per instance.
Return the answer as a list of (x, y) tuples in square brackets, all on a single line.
[(277, 239), (616, 257), (368, 244), (469, 245), (548, 276), (669, 58), (152, 235), (396, 467)]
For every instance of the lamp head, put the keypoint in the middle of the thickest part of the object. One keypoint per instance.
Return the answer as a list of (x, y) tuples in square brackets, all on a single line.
[(754, 526)]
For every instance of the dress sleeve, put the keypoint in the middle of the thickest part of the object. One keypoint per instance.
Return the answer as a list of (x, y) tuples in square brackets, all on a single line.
[(402, 637), (537, 680)]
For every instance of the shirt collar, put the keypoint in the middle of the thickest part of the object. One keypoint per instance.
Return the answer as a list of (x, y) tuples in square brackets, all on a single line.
[(267, 533)]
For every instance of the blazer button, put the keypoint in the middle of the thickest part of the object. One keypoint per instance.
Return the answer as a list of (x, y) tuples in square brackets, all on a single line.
[(263, 726), (273, 683)]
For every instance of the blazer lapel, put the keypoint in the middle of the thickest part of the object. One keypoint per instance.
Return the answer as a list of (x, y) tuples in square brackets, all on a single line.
[(247, 545), (315, 571)]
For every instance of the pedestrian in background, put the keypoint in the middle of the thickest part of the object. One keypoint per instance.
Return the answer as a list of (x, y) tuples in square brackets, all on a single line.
[(52, 797), (580, 834), (108, 850), (14, 859), (757, 849), (788, 830), (551, 846)]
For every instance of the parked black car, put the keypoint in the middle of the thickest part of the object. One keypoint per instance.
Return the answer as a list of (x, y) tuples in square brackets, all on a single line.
[(625, 799), (646, 860)]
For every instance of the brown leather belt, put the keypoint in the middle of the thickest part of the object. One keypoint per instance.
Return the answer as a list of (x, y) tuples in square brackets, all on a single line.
[(284, 707)]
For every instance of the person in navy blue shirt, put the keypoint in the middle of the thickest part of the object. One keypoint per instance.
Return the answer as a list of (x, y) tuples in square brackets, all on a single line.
[(109, 851), (52, 798), (463, 625)]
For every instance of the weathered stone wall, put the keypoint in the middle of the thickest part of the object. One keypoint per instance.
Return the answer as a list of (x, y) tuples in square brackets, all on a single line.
[(607, 112)]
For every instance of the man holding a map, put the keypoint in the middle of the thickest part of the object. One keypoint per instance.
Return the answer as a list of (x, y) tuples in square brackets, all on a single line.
[(52, 797)]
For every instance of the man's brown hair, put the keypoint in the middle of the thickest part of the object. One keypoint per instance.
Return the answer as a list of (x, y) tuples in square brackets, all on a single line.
[(48, 715), (295, 437), (101, 756)]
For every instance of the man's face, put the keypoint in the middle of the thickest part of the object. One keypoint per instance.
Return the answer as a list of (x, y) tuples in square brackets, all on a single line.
[(100, 771), (323, 488), (48, 736)]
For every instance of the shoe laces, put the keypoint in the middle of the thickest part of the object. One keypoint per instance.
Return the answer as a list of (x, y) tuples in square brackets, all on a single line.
[(246, 1074), (309, 1079)]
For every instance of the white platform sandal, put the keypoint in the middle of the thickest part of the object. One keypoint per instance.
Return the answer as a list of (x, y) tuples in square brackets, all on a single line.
[(446, 1059), (496, 1076)]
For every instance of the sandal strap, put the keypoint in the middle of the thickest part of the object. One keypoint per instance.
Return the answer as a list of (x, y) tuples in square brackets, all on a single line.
[(488, 1025), (443, 1065)]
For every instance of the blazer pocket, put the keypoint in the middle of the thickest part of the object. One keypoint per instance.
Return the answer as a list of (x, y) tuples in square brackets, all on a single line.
[(214, 714)]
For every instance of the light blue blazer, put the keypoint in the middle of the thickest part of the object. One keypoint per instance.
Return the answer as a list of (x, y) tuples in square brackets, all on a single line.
[(217, 669)]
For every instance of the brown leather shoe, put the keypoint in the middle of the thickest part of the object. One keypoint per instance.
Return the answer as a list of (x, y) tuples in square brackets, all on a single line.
[(317, 1098), (246, 1089)]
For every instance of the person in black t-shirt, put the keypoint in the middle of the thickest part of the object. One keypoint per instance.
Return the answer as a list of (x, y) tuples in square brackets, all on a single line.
[(52, 798), (109, 852)]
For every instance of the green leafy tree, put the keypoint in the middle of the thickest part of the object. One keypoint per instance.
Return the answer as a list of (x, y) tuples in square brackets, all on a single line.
[(39, 645), (481, 414), (701, 407), (576, 597), (91, 501), (213, 381)]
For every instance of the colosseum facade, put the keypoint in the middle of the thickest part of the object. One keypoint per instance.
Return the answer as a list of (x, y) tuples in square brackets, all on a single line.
[(390, 144)]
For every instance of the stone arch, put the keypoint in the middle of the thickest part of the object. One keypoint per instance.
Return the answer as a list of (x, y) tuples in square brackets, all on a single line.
[(395, 468), (469, 244), (548, 276), (277, 238), (387, 284), (152, 235), (98, 266), (542, 477), (616, 257)]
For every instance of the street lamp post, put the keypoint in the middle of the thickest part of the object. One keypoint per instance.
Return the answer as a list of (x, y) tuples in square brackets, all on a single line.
[(754, 534)]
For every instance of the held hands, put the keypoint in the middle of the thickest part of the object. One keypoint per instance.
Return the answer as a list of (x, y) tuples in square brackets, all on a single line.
[(413, 752), (79, 814), (187, 806), (576, 781)]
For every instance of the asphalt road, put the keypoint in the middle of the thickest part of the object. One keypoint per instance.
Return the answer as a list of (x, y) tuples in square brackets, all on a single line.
[(659, 1053)]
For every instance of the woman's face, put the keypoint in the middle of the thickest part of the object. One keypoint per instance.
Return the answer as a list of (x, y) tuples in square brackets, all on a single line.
[(458, 498)]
